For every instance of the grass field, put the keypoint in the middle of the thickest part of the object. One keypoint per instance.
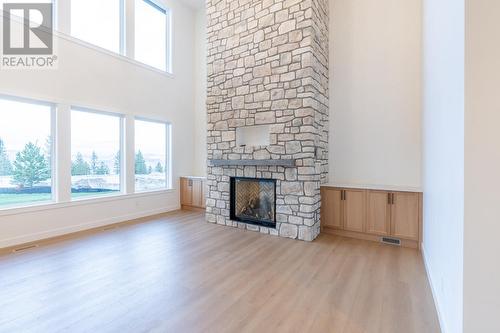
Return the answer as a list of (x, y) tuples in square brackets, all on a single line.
[(7, 200)]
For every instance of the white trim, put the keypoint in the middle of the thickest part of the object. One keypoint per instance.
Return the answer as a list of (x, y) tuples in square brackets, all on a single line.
[(81, 227), (97, 112), (54, 185), (437, 305), (45, 99), (83, 202)]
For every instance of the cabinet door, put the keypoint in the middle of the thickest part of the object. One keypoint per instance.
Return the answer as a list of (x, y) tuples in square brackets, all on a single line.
[(378, 213), (186, 192), (354, 210), (197, 192), (331, 208), (405, 216)]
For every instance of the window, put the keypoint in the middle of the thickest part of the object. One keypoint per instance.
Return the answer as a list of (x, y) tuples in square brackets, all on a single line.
[(151, 163), (151, 34), (95, 154), (99, 22), (25, 152)]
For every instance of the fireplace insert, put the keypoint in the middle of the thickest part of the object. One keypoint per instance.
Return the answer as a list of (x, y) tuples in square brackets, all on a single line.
[(253, 201)]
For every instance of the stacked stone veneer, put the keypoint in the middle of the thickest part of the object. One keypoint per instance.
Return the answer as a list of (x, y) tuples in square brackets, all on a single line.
[(268, 64)]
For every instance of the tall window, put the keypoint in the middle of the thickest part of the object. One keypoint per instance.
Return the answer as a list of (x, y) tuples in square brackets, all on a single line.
[(151, 164), (95, 154), (25, 153), (98, 22), (151, 33)]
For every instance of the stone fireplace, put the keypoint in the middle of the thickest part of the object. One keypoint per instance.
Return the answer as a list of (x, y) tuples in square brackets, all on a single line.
[(267, 105)]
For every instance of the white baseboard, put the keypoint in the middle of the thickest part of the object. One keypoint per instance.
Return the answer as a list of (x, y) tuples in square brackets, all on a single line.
[(4, 243), (433, 290)]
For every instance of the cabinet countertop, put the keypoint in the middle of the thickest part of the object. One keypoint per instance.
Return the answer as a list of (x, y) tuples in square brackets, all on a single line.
[(394, 188)]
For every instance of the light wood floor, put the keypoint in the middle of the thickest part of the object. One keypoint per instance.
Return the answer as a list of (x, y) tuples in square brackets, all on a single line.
[(179, 274)]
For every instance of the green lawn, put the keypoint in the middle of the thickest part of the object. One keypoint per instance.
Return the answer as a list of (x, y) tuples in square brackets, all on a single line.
[(22, 199), (18, 199)]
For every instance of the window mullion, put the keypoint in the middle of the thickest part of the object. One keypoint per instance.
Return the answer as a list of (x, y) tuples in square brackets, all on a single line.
[(62, 161), (129, 155), (129, 28)]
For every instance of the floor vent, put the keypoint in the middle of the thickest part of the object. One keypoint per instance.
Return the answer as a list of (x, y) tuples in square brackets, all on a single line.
[(391, 241), (25, 248)]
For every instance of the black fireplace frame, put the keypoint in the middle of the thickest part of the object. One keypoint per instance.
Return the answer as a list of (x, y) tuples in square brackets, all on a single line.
[(233, 202)]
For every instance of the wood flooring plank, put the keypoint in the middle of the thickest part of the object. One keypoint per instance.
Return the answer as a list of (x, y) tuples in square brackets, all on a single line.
[(177, 273)]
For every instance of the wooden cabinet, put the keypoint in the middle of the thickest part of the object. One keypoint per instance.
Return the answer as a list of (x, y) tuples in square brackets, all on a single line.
[(405, 215), (193, 192), (372, 214), (378, 213), (186, 192), (343, 209), (354, 210), (331, 208)]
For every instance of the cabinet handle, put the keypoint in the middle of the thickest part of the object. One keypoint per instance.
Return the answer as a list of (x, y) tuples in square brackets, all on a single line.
[(393, 200), (345, 195), (389, 199)]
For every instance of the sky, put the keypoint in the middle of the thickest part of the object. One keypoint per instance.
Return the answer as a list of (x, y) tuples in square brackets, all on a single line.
[(95, 132), (97, 22), (21, 123)]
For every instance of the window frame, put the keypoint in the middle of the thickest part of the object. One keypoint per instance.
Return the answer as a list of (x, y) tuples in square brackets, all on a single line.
[(53, 164), (123, 176), (168, 149), (122, 28), (168, 38)]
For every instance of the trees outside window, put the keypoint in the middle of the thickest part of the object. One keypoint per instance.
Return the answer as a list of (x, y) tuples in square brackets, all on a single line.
[(5, 165), (95, 149), (151, 155), (25, 152), (30, 167)]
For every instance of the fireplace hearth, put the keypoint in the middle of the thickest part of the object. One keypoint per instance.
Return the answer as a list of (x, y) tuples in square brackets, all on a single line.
[(253, 201)]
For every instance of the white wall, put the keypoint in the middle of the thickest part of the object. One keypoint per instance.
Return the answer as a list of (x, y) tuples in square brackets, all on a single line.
[(443, 157), (200, 81), (375, 92), (482, 165), (95, 79)]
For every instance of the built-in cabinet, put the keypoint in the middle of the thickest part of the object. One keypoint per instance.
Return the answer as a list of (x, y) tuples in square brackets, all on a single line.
[(193, 192), (372, 214)]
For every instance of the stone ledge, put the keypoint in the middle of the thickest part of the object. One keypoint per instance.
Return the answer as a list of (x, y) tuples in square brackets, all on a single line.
[(283, 162)]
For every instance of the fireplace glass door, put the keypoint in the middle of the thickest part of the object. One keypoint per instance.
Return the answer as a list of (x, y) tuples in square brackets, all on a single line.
[(253, 201)]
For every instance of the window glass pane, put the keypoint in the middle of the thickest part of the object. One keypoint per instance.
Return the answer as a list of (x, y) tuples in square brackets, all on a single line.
[(97, 22), (95, 154), (25, 153), (150, 155), (150, 34)]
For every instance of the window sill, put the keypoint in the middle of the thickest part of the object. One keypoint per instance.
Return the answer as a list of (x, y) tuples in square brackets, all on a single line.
[(80, 202), (113, 54)]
